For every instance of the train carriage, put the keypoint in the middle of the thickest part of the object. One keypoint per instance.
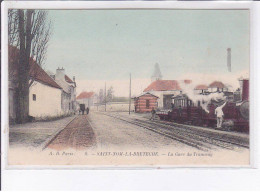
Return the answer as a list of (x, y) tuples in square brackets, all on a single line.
[(236, 113)]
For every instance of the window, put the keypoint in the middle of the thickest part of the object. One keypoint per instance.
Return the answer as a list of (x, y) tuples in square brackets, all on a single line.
[(147, 103), (34, 97)]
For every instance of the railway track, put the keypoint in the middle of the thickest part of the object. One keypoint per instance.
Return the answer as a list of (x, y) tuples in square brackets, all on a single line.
[(215, 134), (202, 140)]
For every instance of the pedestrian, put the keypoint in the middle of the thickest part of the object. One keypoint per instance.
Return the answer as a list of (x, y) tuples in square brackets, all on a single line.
[(180, 111), (153, 114), (172, 105), (220, 115), (87, 110)]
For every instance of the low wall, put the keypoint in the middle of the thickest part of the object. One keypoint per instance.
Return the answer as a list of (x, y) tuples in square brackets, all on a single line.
[(113, 107)]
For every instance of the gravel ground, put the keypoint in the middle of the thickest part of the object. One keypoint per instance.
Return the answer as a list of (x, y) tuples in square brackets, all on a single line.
[(116, 134)]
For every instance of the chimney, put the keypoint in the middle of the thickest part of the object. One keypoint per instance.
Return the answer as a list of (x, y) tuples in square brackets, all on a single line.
[(244, 84), (60, 74), (74, 79), (229, 59)]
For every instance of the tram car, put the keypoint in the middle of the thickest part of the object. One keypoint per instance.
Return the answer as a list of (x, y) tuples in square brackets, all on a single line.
[(81, 108), (236, 111)]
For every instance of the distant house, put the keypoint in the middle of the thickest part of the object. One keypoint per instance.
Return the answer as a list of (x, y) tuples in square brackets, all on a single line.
[(145, 103), (201, 89), (217, 86), (164, 90), (86, 98)]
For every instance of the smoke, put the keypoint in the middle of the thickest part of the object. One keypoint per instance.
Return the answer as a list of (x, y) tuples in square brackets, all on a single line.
[(188, 89), (229, 79)]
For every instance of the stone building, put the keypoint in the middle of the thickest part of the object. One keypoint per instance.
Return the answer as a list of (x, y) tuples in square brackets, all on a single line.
[(68, 97)]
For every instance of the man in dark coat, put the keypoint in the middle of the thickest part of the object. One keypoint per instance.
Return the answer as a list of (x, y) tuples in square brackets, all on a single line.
[(153, 114)]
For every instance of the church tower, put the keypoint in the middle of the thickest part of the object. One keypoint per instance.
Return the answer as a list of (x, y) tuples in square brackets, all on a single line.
[(157, 75)]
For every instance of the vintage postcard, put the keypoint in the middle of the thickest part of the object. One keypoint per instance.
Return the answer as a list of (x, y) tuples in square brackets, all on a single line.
[(128, 87)]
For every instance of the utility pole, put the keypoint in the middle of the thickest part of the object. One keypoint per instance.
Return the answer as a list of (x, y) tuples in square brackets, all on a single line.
[(105, 97), (130, 95), (229, 59)]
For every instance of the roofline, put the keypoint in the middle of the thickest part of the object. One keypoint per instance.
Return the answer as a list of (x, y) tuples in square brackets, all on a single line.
[(47, 84), (145, 94), (162, 90)]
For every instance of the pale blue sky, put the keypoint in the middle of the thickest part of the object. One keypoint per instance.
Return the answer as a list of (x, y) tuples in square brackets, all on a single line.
[(109, 44)]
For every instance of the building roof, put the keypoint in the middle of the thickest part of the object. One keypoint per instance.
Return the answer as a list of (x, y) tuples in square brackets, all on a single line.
[(64, 85), (84, 95), (216, 84), (187, 81), (147, 93), (201, 87), (163, 85), (67, 79), (35, 72), (38, 74), (180, 96)]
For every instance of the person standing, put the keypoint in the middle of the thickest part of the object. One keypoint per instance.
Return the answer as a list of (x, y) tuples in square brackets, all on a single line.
[(87, 110), (219, 113), (153, 114)]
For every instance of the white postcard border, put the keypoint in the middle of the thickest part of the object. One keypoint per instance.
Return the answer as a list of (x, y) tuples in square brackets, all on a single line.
[(11, 176)]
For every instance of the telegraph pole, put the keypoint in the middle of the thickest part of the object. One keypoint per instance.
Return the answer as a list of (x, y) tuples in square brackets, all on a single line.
[(130, 95), (105, 97), (229, 59)]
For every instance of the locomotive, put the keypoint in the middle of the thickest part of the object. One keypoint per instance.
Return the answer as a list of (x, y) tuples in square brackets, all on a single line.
[(236, 110)]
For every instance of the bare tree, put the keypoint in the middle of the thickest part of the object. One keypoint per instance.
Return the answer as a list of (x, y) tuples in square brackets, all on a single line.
[(13, 38), (30, 31), (41, 31), (13, 41), (110, 94), (101, 96)]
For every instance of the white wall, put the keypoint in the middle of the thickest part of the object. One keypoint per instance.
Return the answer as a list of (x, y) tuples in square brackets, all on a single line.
[(115, 107), (48, 100)]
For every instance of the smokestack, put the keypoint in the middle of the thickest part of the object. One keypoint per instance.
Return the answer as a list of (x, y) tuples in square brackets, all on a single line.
[(229, 59), (244, 84)]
